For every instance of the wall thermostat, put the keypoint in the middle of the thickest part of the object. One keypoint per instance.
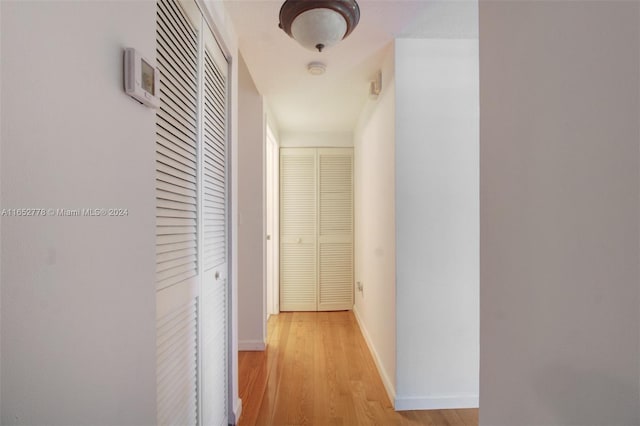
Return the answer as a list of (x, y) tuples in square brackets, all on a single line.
[(141, 80)]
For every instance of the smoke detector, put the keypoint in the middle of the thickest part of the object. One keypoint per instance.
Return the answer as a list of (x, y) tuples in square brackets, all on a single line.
[(316, 68)]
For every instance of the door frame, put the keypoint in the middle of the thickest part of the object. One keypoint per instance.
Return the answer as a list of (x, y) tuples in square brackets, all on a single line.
[(272, 222)]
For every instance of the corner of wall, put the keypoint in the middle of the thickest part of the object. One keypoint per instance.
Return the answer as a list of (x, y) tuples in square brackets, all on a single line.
[(251, 209), (271, 120)]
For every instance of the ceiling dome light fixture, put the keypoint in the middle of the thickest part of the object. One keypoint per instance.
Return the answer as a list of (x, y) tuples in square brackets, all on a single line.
[(318, 24)]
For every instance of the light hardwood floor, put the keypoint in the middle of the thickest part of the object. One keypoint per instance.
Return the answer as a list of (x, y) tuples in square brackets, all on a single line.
[(317, 370)]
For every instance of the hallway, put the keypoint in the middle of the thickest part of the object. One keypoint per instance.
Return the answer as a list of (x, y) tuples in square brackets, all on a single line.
[(317, 370)]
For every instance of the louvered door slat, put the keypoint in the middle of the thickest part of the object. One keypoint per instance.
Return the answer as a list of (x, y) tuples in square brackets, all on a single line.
[(176, 213), (174, 15), (176, 254), (172, 205), (169, 170), (173, 166), (177, 378), (177, 189), (169, 121), (165, 241), (336, 276), (175, 53), (172, 93), (169, 281), (174, 68), (214, 169), (174, 143)]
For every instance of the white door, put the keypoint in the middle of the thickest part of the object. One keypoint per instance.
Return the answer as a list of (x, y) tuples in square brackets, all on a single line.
[(191, 211), (298, 229), (316, 229), (335, 229), (214, 300), (177, 217), (272, 159)]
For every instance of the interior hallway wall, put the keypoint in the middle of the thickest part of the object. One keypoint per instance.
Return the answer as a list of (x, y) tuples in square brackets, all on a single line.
[(560, 102), (251, 210), (374, 220), (437, 226), (78, 292)]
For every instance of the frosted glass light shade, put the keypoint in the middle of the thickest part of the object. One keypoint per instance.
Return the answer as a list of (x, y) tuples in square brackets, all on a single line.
[(317, 24), (318, 27)]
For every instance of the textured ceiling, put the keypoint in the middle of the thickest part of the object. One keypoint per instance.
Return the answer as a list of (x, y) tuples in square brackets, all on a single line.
[(332, 102)]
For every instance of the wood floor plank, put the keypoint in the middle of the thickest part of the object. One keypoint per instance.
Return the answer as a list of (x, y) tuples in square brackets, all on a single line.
[(469, 416), (317, 370), (252, 378)]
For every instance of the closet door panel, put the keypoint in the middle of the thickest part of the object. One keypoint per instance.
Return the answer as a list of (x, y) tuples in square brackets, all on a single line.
[(191, 220), (298, 230), (335, 277), (214, 293), (176, 217)]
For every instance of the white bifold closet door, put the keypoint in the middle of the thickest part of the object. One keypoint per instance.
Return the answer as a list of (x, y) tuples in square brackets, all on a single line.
[(191, 220), (316, 229), (213, 178)]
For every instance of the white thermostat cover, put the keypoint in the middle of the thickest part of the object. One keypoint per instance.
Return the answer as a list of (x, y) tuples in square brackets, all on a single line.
[(141, 79)]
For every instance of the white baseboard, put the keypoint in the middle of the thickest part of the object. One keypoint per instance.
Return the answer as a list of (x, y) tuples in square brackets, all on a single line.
[(237, 412), (435, 403), (388, 384), (251, 345)]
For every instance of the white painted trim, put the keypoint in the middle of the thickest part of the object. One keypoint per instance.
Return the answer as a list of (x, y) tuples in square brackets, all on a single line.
[(388, 384), (237, 412), (251, 345), (216, 23), (436, 402)]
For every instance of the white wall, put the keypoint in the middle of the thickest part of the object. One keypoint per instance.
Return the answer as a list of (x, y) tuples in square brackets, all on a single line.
[(251, 225), (374, 214), (559, 213), (290, 139), (78, 293), (437, 223)]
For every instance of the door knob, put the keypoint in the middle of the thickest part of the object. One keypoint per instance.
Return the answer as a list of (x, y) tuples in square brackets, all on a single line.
[(217, 275)]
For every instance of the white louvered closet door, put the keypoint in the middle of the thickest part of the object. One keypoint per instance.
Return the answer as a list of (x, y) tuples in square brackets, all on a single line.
[(316, 229), (213, 301), (335, 233), (298, 229), (191, 246), (176, 217)]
